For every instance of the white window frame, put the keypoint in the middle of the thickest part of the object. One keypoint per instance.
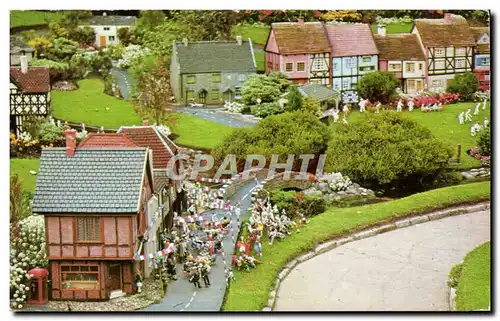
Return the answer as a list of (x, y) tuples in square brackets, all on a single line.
[(319, 64), (483, 59), (297, 66), (462, 61), (460, 51), (439, 61), (439, 52), (391, 65)]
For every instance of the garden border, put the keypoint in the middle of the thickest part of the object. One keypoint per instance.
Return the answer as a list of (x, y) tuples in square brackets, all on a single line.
[(369, 232)]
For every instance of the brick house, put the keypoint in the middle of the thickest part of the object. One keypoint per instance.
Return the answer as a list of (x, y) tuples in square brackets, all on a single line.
[(95, 202)]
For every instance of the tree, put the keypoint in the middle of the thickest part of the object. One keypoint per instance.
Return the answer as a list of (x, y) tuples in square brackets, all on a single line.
[(125, 36), (465, 84), (57, 30), (19, 200), (384, 149), (312, 106), (72, 18), (484, 141), (209, 24), (378, 86), (62, 49), (260, 89), (41, 45), (294, 98), (159, 39), (342, 15), (148, 20), (84, 36)]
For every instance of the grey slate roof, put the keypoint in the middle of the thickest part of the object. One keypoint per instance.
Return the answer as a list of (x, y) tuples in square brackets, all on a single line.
[(318, 92), (215, 56), (111, 20), (94, 180), (18, 45)]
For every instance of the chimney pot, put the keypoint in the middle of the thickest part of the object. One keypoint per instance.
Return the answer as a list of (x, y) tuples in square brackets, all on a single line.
[(24, 64), (70, 142), (239, 40), (145, 123), (185, 40), (300, 21)]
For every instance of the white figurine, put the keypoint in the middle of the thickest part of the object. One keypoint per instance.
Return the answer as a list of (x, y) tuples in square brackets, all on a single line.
[(377, 107), (362, 105), (486, 122), (335, 115), (461, 118), (468, 117), (410, 105), (473, 130), (344, 120), (345, 110), (399, 107), (484, 103), (476, 110)]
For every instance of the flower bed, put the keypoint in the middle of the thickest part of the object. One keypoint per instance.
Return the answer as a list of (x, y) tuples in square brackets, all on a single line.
[(427, 99)]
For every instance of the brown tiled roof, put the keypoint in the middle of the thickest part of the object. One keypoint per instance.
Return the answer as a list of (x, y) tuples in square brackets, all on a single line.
[(483, 48), (295, 38), (403, 46), (438, 33), (351, 40), (477, 32), (107, 140), (149, 136), (36, 80)]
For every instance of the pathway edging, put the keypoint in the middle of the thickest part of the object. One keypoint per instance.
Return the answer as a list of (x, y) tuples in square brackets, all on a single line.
[(369, 232)]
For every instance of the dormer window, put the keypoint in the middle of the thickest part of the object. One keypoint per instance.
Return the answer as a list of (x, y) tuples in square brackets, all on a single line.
[(106, 28)]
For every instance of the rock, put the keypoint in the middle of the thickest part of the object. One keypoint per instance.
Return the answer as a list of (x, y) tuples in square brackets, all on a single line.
[(355, 185), (364, 194), (467, 175), (341, 193), (351, 190), (323, 187)]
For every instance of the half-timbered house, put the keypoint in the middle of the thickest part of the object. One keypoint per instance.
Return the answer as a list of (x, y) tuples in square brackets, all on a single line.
[(300, 51), (448, 45), (482, 56), (401, 55), (354, 54), (29, 94), (95, 203)]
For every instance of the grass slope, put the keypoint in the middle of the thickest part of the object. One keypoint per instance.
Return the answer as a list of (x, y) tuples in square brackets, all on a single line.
[(444, 125), (249, 291), (20, 18), (197, 132), (90, 105), (22, 167), (258, 34), (473, 291), (394, 28)]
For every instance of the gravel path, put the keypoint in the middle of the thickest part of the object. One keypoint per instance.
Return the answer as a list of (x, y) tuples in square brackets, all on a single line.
[(401, 270)]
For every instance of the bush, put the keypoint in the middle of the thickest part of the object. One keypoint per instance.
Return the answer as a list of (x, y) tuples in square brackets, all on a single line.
[(378, 86), (312, 106), (294, 98), (284, 200), (386, 148), (484, 141), (57, 70), (84, 36), (312, 205), (260, 89), (455, 274), (125, 36), (80, 66), (50, 133), (291, 202), (465, 84), (266, 109), (62, 49), (131, 54), (116, 51), (342, 15)]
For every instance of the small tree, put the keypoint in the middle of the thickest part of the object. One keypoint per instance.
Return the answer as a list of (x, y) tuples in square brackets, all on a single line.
[(125, 36), (484, 141), (260, 89), (311, 105), (41, 45), (378, 86), (84, 36), (465, 84), (294, 98), (62, 49), (19, 200)]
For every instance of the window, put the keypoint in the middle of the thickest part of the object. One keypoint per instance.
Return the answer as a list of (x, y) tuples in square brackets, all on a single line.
[(216, 78), (439, 52), (410, 83), (191, 79), (301, 66), (242, 77), (346, 83), (484, 61), (336, 85), (106, 28), (350, 62), (215, 94), (289, 67), (88, 229), (111, 38), (438, 83), (420, 84), (367, 59), (439, 64), (81, 277), (410, 67), (420, 66), (190, 95), (367, 68), (394, 66), (319, 64), (460, 63), (237, 91), (460, 51)]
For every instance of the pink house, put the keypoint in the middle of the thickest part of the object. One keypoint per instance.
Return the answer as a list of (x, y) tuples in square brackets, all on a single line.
[(300, 51)]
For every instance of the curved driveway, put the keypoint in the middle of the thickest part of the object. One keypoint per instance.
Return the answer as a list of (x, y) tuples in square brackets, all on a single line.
[(401, 270)]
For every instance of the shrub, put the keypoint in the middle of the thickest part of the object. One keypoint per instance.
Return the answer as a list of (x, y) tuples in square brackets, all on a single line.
[(116, 51), (342, 15), (50, 133), (125, 36), (292, 202), (455, 274), (484, 141), (62, 49), (312, 205), (57, 70), (260, 89), (294, 98), (80, 65), (284, 200), (465, 84), (131, 54), (312, 106), (386, 148), (84, 36), (378, 86), (266, 109)]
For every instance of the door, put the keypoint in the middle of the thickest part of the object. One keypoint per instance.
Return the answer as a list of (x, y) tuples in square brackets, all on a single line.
[(102, 41), (115, 277), (202, 96), (228, 95)]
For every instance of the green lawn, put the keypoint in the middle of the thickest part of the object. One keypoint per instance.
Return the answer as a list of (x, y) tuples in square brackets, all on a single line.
[(395, 28), (249, 291), (197, 132), (90, 105), (257, 34), (20, 18), (259, 59), (22, 167), (473, 291), (444, 125)]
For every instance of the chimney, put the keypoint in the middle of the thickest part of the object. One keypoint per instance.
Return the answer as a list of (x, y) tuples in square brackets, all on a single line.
[(239, 40), (24, 64), (300, 21), (145, 123), (381, 30), (104, 14), (449, 18), (185, 40), (70, 142)]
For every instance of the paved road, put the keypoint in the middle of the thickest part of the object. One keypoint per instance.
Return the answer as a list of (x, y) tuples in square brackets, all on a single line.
[(123, 80), (183, 296), (218, 117), (401, 270)]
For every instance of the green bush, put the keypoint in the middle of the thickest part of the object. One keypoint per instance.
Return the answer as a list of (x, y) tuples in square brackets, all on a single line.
[(386, 148), (57, 70), (62, 49), (454, 277), (294, 99), (378, 86), (310, 105), (260, 88), (312, 205), (266, 109), (126, 36), (84, 36), (50, 133), (484, 141), (284, 200), (465, 84)]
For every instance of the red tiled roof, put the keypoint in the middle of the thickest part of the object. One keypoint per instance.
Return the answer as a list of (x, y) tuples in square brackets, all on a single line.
[(107, 140), (402, 46), (351, 40), (148, 136), (295, 38), (36, 80)]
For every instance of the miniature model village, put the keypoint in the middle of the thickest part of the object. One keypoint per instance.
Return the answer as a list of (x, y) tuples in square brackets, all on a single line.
[(123, 124)]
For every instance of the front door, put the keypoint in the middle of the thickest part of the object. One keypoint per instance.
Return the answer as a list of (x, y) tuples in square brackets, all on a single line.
[(228, 95), (115, 277), (102, 41)]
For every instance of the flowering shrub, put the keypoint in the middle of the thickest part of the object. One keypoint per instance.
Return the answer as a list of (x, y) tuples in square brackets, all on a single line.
[(393, 20), (234, 107), (164, 130), (266, 109), (337, 182), (427, 98), (130, 54), (27, 250)]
